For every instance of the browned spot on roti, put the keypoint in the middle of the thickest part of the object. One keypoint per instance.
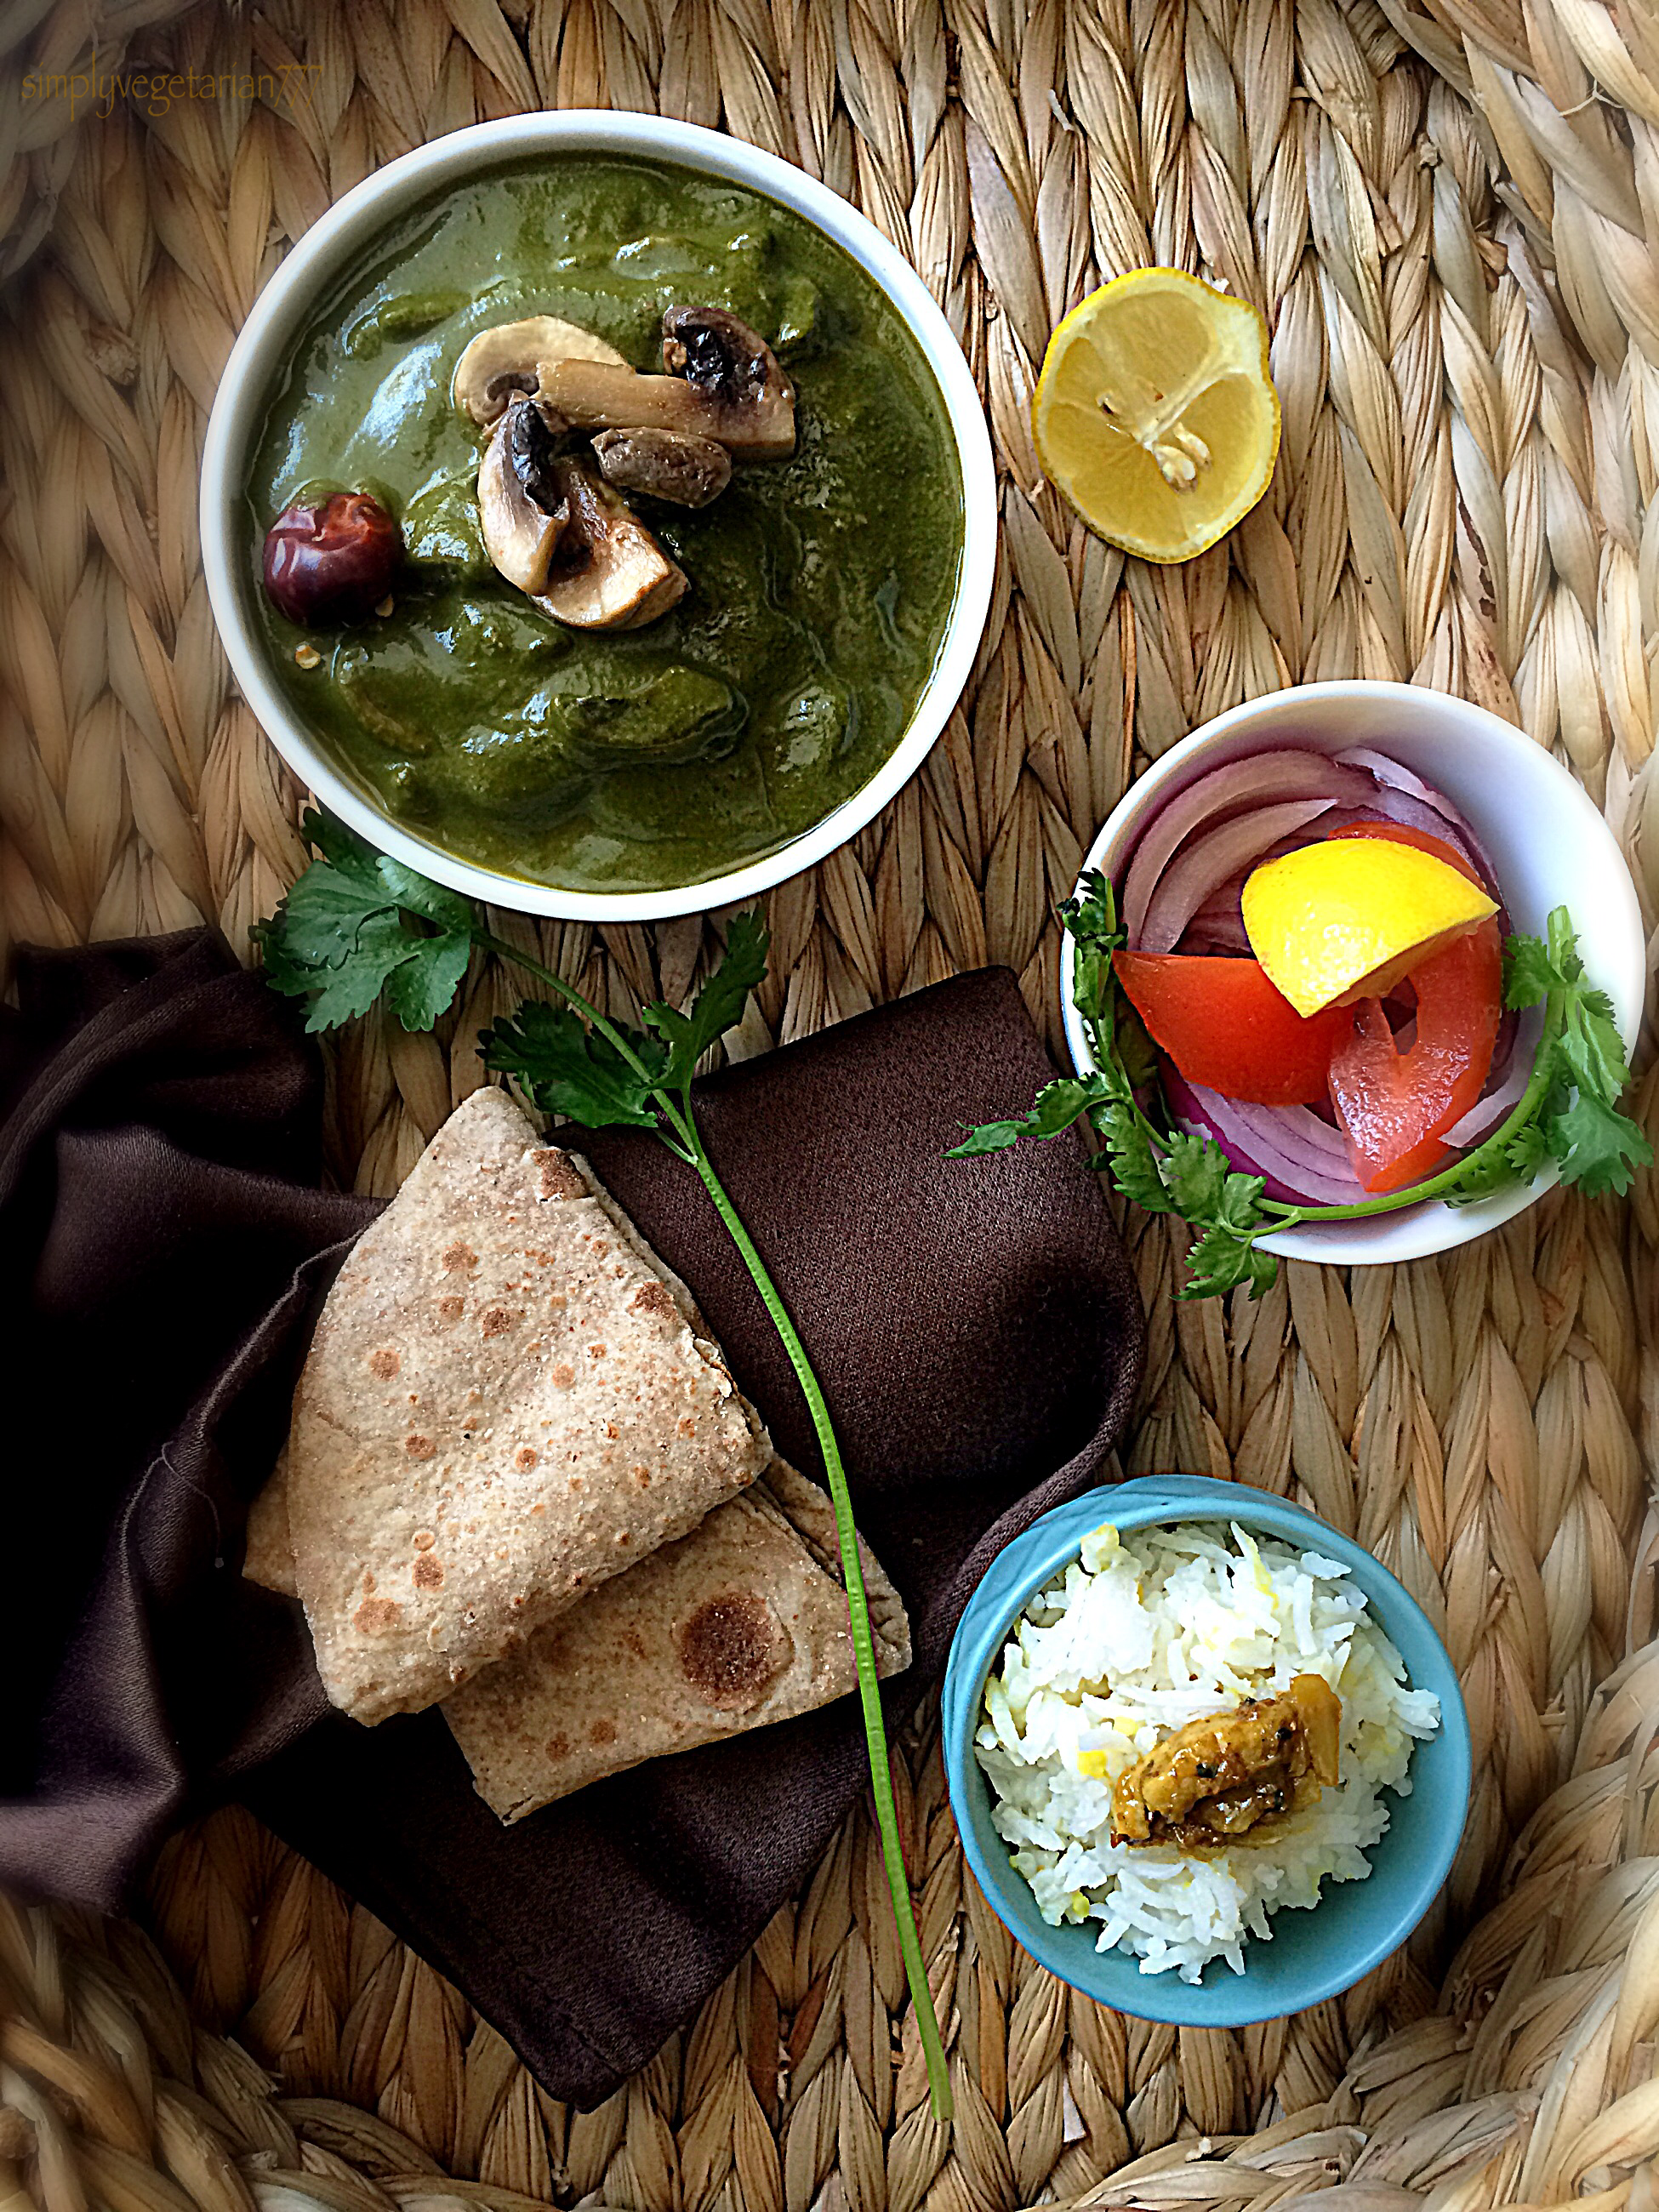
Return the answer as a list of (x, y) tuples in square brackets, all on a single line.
[(601, 1732), (497, 1320), (596, 1351), (368, 1583), (687, 1427), (450, 1310), (458, 1258), (624, 1536), (643, 1476), (557, 1746), (384, 1362), (419, 1447), (563, 1376), (424, 1539), (376, 1613), (654, 1298), (555, 1176), (428, 1572), (525, 1456), (636, 1643), (730, 1647)]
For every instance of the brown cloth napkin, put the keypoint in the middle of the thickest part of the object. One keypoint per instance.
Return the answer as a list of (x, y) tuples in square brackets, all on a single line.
[(162, 1252)]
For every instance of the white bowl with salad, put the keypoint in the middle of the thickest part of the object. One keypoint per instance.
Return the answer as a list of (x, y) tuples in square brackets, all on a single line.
[(1351, 975)]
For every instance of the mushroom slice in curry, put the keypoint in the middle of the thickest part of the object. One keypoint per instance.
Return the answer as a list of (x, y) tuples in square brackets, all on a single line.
[(735, 369), (664, 465), (522, 512), (1219, 1779), (608, 571), (507, 359), (727, 386)]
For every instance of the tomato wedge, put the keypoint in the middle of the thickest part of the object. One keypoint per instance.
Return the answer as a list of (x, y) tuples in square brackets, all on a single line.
[(1393, 1106), (1225, 1026)]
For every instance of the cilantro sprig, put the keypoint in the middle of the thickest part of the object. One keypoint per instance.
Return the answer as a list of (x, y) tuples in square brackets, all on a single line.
[(1569, 1112), (358, 927)]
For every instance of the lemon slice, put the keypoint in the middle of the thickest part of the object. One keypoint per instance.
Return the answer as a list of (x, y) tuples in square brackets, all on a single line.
[(1341, 920), (1155, 416)]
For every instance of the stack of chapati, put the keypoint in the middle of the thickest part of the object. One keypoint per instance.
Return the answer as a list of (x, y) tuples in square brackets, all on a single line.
[(521, 1483)]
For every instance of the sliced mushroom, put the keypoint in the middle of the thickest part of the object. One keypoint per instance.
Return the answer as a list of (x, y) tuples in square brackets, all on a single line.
[(734, 367), (609, 572), (665, 464), (522, 509), (506, 359), (725, 385)]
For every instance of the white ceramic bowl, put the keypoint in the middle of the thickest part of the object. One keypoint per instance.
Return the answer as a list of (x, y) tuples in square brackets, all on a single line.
[(327, 250), (1546, 841)]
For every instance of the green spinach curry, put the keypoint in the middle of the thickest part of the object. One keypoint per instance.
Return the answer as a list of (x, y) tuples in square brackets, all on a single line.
[(819, 585)]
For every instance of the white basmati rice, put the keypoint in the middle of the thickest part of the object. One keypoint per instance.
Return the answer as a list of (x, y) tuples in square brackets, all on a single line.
[(1138, 1636)]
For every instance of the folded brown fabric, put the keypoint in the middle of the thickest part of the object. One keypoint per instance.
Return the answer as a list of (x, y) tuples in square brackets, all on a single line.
[(975, 1324), (740, 1624), (503, 1406)]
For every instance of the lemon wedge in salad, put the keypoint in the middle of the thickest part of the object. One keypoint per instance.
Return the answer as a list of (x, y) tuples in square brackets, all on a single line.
[(1155, 416), (1347, 919)]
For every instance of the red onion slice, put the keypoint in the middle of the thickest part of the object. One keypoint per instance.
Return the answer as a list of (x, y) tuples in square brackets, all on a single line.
[(1208, 861), (1271, 1142), (1292, 772), (1399, 778), (1218, 924), (1394, 777)]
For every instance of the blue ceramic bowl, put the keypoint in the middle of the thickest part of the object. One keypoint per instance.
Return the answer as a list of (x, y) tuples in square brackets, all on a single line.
[(1312, 1954)]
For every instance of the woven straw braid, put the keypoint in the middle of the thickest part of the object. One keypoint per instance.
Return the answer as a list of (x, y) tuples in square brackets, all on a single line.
[(1446, 216)]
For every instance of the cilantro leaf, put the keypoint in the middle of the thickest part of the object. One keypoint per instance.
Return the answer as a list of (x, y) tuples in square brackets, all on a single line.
[(1225, 1257), (1090, 916), (1591, 1048), (1576, 1122), (1524, 1154), (1056, 1107), (718, 1005), (987, 1137), (1487, 1169), (1120, 1044), (1599, 1149), (419, 895), (356, 925), (421, 987), (1130, 1156), (1528, 976), (1196, 1170), (1227, 1205), (567, 1068)]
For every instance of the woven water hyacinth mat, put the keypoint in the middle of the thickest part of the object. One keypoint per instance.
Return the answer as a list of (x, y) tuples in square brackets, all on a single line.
[(1448, 214)]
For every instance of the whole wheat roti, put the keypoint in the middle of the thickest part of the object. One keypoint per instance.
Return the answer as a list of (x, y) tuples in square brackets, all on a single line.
[(268, 1549), (507, 1400), (742, 1623)]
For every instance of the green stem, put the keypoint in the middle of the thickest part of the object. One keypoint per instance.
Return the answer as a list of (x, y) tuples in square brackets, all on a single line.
[(875, 1733), (1449, 1178), (487, 941), (1287, 1216), (689, 1148)]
